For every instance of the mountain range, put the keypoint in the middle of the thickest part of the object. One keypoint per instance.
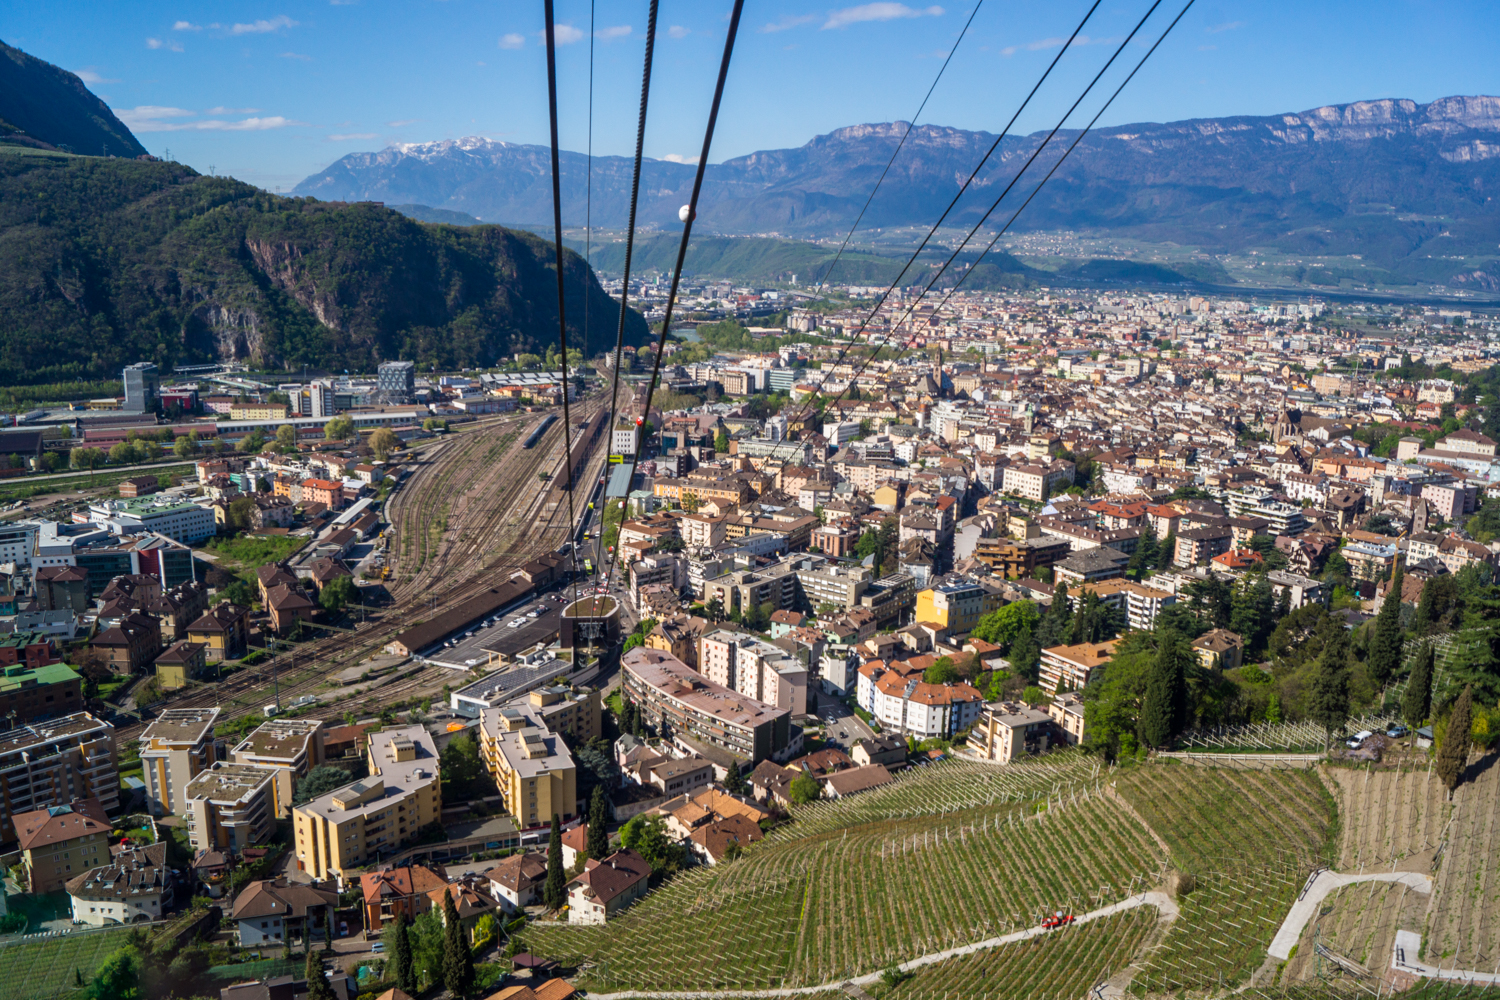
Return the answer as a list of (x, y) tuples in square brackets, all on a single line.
[(1379, 178)]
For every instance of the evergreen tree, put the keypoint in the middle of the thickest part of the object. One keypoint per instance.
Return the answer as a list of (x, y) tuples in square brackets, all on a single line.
[(1168, 552), (1453, 755), (402, 970), (1026, 655), (1053, 629), (1416, 703), (328, 929), (1425, 619), (1328, 702), (1163, 706), (458, 960), (1146, 553), (318, 987), (637, 727), (1284, 603), (1078, 628), (554, 893), (598, 825), (1385, 648), (1251, 613), (734, 781)]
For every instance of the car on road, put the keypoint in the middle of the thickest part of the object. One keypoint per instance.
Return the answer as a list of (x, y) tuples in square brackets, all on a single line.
[(1396, 731), (378, 946)]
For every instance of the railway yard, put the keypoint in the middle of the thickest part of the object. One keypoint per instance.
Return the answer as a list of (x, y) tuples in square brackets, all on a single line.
[(472, 508)]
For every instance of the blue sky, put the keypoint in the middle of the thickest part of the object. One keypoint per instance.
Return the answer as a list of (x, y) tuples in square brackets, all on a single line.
[(272, 91)]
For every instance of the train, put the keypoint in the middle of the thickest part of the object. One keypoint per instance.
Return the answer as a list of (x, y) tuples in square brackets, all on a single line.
[(536, 435)]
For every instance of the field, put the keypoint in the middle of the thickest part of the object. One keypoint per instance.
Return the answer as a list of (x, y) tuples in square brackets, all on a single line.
[(47, 967), (1067, 964), (951, 855)]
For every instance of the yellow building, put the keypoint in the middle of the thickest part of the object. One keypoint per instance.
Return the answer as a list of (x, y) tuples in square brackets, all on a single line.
[(59, 842), (531, 765), (174, 749), (288, 748), (955, 606), (359, 823), (257, 411)]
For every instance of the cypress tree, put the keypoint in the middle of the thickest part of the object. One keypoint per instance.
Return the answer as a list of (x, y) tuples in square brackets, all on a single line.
[(1453, 755), (598, 825), (1425, 619), (1167, 555), (734, 782), (318, 987), (401, 965), (554, 893), (1284, 603), (1329, 701), (328, 929), (1162, 708), (1385, 650), (458, 961), (1416, 703)]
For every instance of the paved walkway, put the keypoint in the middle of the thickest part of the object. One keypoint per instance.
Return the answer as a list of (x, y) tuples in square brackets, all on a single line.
[(1318, 886), (1409, 945), (1160, 900)]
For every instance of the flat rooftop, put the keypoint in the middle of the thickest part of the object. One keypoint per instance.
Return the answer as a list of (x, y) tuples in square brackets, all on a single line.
[(64, 730), (676, 680), (280, 739), (182, 725), (229, 782)]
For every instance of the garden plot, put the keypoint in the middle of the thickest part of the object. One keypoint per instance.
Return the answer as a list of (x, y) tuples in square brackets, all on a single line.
[(851, 901), (1063, 965)]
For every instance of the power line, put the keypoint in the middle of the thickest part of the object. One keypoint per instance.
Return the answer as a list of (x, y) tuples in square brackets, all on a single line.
[(897, 151), (687, 232), (562, 321), (635, 192)]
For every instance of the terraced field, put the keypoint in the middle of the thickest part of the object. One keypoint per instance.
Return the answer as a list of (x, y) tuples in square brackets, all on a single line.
[(50, 967), (1389, 817)]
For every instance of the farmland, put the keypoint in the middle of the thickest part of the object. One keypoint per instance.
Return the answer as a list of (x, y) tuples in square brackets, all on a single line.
[(49, 967)]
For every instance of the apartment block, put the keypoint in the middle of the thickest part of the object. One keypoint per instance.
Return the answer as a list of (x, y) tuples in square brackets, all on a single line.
[(755, 668), (56, 762), (59, 842), (230, 807), (1068, 668), (675, 696), (1007, 730), (532, 767), (359, 823), (174, 749), (288, 748)]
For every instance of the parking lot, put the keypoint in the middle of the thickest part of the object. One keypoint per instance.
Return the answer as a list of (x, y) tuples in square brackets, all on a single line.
[(475, 646)]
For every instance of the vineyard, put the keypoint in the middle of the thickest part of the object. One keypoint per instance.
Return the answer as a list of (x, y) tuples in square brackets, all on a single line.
[(948, 856), (1358, 922), (1389, 817), (1067, 964), (51, 967), (1464, 932)]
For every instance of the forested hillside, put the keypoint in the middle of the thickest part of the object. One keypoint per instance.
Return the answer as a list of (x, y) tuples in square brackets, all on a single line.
[(108, 261)]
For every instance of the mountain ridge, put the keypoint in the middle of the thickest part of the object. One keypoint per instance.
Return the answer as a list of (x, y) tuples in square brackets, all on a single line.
[(1382, 176), (47, 107)]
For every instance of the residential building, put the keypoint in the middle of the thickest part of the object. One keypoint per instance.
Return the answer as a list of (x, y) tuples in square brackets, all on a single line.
[(1304, 590), (358, 823), (1006, 730), (288, 749), (28, 693), (56, 762), (59, 842), (531, 765), (516, 882), (755, 668), (179, 663), (230, 807), (1068, 668), (224, 631), (607, 886), (278, 912), (129, 645), (178, 520), (676, 698), (397, 889), (957, 607), (1066, 710), (136, 886), (177, 745), (1219, 649)]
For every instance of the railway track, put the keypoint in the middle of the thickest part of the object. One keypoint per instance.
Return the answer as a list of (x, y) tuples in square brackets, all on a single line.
[(490, 530)]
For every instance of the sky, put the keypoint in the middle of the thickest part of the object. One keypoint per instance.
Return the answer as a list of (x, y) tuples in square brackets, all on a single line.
[(271, 92)]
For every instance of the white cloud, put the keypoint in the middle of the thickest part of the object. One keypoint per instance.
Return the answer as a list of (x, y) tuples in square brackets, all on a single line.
[(151, 118), (678, 31), (296, 55), (679, 158), (187, 26), (565, 34), (876, 12), (89, 76), (787, 21), (1227, 26), (157, 43), (610, 34), (227, 111), (1052, 43), (512, 41), (349, 136), (263, 26), (401, 122)]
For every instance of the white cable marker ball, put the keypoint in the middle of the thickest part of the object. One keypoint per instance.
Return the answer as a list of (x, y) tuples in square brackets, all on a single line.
[(684, 213)]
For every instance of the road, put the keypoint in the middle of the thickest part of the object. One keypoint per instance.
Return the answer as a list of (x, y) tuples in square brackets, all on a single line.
[(1319, 885), (840, 718)]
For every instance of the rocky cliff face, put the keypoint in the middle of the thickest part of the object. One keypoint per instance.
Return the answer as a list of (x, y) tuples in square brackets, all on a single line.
[(1220, 182)]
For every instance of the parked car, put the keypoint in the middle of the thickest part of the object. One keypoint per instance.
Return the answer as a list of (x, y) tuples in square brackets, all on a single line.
[(1397, 731), (378, 946), (1357, 740)]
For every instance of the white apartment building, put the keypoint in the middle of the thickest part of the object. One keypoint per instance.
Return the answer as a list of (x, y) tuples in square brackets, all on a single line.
[(755, 669)]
